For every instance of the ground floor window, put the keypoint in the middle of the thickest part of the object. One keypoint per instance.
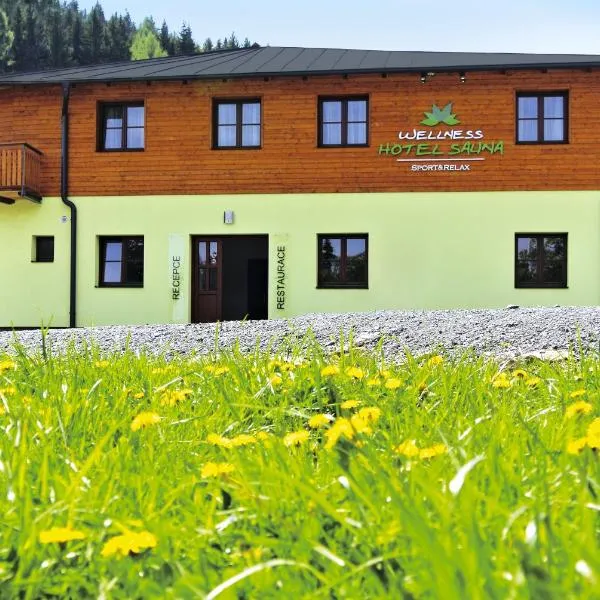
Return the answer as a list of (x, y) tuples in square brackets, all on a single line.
[(122, 261), (342, 261), (43, 248), (541, 260)]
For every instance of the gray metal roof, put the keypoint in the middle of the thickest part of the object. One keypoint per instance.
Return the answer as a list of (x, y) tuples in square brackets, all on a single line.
[(276, 61)]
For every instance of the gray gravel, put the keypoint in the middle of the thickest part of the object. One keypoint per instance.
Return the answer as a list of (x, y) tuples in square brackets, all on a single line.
[(506, 333)]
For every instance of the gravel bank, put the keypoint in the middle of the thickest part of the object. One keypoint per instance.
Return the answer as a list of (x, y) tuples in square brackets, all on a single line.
[(505, 333)]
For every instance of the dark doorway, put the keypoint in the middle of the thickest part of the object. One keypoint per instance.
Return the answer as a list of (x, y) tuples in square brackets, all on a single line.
[(230, 278)]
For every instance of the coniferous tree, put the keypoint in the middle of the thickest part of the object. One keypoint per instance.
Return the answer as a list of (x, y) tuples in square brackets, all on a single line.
[(6, 41), (186, 43), (167, 39), (19, 42), (58, 50), (77, 43), (120, 35), (208, 45), (97, 34)]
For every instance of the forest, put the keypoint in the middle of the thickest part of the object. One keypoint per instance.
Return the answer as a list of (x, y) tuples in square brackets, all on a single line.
[(47, 34)]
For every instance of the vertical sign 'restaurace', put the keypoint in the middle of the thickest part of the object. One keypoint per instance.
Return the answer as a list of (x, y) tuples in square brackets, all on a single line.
[(280, 277), (279, 297)]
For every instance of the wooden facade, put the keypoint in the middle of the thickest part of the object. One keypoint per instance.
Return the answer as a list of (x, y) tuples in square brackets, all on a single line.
[(179, 157)]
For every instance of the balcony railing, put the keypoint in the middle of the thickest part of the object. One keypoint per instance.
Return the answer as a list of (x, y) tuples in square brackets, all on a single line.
[(20, 173)]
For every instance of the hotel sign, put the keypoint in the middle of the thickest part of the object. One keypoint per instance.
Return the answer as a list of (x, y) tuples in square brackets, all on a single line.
[(443, 146)]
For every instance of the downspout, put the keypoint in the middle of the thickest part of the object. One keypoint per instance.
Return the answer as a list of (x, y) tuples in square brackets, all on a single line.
[(64, 192)]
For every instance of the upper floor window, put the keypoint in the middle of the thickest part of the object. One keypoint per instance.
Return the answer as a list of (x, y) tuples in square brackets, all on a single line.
[(541, 260), (122, 261), (542, 118), (343, 121), (236, 124), (121, 126), (342, 261)]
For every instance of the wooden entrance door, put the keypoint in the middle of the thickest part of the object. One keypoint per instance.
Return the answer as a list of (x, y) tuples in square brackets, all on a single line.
[(207, 280)]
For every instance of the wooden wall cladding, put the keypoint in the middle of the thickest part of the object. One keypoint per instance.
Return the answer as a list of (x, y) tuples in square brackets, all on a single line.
[(179, 159), (33, 115)]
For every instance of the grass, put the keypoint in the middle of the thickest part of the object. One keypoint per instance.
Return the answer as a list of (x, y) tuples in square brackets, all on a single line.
[(206, 494)]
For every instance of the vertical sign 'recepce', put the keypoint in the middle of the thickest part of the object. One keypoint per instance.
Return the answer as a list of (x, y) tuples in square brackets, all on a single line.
[(176, 277)]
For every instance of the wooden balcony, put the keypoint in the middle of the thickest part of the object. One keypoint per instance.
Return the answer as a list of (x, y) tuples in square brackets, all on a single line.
[(20, 173)]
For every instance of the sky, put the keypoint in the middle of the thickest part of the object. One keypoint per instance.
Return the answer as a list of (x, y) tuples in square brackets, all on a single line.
[(541, 26)]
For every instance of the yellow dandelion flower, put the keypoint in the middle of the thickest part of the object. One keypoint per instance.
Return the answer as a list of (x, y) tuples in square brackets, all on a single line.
[(144, 419), (370, 414), (296, 438), (434, 361), (275, 380), (408, 448), (262, 436), (393, 383), (577, 394), (432, 451), (101, 364), (244, 439), (9, 391), (342, 428), (373, 381), (318, 421), (578, 408), (129, 543), (175, 396), (138, 395), (221, 371), (281, 365), (7, 365), (210, 368), (593, 434), (330, 370), (501, 381), (59, 535), (218, 440), (2, 410), (533, 381), (594, 427), (385, 373), (349, 404), (360, 425), (355, 372), (212, 469), (576, 446), (519, 374)]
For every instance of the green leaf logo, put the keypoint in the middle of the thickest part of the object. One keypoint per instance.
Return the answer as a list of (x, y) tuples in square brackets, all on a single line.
[(440, 115)]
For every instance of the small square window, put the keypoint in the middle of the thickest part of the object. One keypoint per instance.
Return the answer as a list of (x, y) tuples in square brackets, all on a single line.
[(342, 261), (343, 121), (121, 126), (43, 248), (122, 261), (237, 123), (541, 260), (542, 118)]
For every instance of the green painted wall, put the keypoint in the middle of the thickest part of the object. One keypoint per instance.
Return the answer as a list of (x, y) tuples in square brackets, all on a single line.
[(426, 250), (33, 293)]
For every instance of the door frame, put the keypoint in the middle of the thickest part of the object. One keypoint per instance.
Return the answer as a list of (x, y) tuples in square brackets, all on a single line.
[(219, 237)]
